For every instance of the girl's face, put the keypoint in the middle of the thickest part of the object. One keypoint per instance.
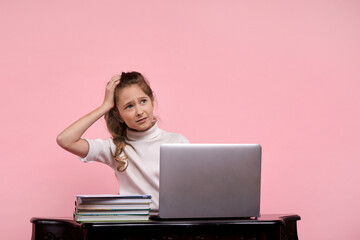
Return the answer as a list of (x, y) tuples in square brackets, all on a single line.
[(135, 108)]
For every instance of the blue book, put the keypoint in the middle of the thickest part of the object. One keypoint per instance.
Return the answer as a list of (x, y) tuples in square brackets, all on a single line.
[(113, 199)]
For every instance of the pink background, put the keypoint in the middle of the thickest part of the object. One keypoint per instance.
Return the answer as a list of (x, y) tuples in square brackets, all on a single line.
[(284, 74)]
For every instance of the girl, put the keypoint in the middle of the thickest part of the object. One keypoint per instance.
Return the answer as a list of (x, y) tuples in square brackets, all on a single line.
[(134, 149)]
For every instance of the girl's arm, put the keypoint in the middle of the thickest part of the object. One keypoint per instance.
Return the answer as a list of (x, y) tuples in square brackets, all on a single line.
[(70, 139)]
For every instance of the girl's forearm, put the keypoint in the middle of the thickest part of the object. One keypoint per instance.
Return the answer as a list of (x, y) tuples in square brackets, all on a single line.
[(68, 139)]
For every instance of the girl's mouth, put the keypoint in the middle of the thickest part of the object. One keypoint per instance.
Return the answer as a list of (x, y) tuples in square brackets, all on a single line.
[(141, 120)]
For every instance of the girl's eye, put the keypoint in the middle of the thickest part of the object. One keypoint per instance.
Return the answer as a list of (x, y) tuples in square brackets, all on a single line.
[(129, 106), (143, 101)]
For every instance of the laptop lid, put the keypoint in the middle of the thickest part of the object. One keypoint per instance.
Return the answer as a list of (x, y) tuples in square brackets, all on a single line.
[(209, 180)]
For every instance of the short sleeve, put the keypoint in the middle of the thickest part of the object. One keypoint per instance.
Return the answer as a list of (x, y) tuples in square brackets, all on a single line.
[(175, 138), (183, 139), (100, 151)]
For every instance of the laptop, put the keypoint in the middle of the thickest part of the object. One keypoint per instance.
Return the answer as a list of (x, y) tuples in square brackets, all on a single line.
[(209, 181)]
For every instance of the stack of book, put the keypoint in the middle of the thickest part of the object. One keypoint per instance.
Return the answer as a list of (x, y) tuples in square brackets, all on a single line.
[(112, 208)]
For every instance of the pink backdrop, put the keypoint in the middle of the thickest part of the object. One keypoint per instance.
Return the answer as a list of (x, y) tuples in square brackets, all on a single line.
[(284, 74)]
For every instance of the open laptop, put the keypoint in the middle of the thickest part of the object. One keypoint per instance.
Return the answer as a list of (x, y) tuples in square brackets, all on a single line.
[(209, 181)]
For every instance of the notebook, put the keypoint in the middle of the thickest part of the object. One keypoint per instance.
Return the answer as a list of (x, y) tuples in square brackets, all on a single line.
[(209, 181)]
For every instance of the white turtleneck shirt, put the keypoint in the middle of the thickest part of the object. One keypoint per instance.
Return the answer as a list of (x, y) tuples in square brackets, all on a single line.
[(142, 173)]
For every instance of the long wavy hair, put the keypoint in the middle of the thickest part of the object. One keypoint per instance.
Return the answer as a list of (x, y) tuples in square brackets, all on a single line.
[(115, 125)]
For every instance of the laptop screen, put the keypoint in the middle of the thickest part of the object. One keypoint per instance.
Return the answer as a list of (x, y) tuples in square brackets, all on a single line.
[(209, 180)]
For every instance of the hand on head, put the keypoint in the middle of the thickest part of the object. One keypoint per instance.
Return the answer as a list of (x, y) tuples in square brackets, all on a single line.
[(109, 92)]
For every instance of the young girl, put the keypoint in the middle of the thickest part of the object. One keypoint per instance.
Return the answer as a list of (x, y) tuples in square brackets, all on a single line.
[(134, 149)]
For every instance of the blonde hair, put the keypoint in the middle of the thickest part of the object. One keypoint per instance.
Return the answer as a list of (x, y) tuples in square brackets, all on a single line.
[(115, 125)]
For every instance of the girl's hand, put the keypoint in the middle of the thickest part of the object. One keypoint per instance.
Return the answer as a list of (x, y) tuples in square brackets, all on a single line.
[(110, 90)]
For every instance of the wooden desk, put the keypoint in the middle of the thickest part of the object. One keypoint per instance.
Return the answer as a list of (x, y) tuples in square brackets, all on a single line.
[(267, 226)]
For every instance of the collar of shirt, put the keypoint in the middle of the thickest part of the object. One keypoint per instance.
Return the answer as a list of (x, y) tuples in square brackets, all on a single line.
[(151, 133)]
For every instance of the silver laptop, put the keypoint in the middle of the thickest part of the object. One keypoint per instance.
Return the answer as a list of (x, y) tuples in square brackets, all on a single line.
[(209, 180)]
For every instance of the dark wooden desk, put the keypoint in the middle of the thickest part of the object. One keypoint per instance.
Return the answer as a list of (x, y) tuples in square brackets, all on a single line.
[(267, 227)]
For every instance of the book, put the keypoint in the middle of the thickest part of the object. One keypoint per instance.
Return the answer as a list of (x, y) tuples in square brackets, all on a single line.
[(113, 199), (111, 212), (112, 208), (111, 218)]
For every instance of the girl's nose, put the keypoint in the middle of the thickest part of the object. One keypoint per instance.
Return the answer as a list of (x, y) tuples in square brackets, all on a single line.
[(139, 111)]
